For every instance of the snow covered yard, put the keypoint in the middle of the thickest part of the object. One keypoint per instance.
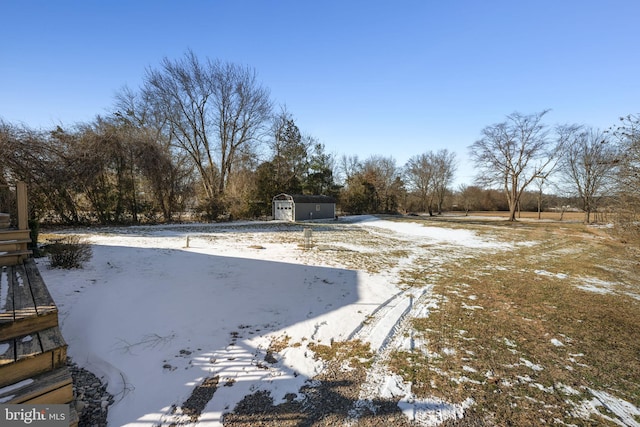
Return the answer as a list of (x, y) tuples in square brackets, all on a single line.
[(185, 322)]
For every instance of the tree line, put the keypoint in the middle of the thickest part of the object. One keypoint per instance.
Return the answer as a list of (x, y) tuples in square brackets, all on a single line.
[(203, 138)]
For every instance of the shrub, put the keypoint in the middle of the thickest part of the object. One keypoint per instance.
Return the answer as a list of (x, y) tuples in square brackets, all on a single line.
[(69, 252)]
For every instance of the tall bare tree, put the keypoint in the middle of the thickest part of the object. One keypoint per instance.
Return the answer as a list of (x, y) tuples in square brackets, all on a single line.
[(445, 167), (214, 111), (420, 175), (384, 176), (627, 134), (513, 153), (166, 170), (587, 166), (429, 175)]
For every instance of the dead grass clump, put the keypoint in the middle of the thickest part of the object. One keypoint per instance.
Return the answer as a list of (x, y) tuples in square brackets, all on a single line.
[(354, 352)]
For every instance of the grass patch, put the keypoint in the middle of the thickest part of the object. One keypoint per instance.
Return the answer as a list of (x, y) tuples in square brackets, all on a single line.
[(513, 329), (355, 352)]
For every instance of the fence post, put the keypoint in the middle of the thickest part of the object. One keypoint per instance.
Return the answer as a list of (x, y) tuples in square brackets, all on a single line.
[(21, 199)]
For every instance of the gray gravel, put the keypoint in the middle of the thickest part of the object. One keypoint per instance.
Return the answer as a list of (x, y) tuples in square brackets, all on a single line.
[(91, 399)]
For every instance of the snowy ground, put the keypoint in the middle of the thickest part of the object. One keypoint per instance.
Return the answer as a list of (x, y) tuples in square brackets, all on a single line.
[(158, 310)]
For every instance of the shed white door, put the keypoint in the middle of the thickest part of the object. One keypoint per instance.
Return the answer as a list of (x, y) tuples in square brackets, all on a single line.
[(283, 210)]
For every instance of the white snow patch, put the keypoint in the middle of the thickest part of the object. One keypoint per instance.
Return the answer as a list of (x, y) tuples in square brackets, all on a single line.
[(472, 307), (633, 295), (4, 348), (449, 351), (531, 365), (15, 386), (566, 389), (557, 342), (595, 285), (625, 412), (433, 412), (428, 412), (28, 338), (549, 274), (453, 236), (509, 343), (542, 388)]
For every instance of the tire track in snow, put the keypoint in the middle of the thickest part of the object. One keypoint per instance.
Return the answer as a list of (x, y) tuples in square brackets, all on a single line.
[(378, 376)]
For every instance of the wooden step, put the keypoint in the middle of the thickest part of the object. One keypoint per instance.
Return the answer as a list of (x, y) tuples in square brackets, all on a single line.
[(30, 355), (13, 257), (14, 245), (14, 234), (51, 387), (26, 306)]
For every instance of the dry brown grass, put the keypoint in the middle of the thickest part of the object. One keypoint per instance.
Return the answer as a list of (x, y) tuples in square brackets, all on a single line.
[(355, 352), (553, 216), (499, 314)]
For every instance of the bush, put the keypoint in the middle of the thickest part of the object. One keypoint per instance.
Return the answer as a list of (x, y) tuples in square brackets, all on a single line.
[(69, 252)]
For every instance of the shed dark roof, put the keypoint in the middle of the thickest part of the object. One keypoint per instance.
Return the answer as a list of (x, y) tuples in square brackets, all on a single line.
[(305, 198)]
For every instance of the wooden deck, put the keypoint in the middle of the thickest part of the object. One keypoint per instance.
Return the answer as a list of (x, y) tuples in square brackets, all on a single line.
[(33, 353), (26, 305)]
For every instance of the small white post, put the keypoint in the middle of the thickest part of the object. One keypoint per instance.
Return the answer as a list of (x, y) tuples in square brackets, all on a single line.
[(307, 237)]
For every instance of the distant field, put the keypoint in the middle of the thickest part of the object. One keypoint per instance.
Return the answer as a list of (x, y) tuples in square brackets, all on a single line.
[(567, 216)]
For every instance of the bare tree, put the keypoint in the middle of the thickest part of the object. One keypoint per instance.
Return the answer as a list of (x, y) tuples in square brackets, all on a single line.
[(372, 186), (627, 134), (587, 167), (383, 174), (169, 170), (445, 167), (420, 175), (513, 153), (214, 111), (349, 166), (429, 175), (468, 197)]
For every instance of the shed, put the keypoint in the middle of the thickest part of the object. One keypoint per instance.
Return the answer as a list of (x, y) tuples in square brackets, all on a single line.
[(300, 207)]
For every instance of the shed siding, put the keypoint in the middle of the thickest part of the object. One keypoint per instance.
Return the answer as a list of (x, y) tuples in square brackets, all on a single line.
[(306, 211)]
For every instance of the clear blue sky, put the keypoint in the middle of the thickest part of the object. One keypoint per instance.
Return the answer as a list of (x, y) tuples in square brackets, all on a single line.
[(393, 78)]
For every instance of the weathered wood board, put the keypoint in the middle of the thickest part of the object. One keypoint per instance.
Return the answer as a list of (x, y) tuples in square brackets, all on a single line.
[(27, 304), (51, 387)]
